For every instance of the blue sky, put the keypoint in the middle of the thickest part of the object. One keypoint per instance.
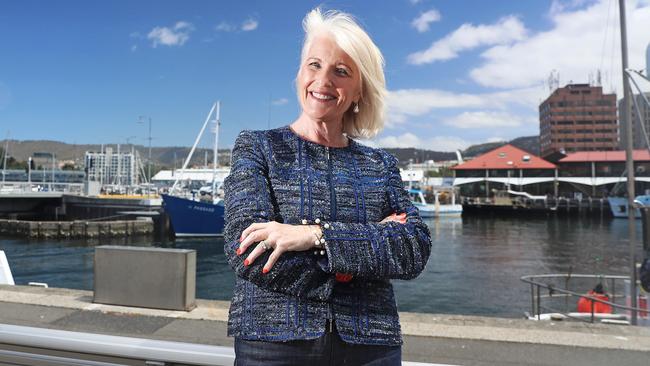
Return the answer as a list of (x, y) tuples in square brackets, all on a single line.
[(458, 72)]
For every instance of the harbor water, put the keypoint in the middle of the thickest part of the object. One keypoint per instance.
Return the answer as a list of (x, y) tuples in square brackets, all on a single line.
[(475, 265)]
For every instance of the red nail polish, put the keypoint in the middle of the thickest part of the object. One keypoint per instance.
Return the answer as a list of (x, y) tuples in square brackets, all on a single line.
[(265, 270), (247, 262), (238, 251)]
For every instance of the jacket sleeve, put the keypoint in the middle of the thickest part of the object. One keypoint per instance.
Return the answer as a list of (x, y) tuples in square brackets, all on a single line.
[(381, 250), (249, 199)]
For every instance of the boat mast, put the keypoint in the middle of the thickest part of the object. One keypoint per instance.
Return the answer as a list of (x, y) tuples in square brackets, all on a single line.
[(629, 164), (217, 121), (4, 160), (196, 142)]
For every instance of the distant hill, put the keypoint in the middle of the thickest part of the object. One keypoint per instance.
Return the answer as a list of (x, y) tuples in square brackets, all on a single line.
[(174, 156), (527, 143), (419, 155), (165, 156)]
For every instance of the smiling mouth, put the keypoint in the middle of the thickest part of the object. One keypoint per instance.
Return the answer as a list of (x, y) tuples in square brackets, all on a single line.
[(321, 97)]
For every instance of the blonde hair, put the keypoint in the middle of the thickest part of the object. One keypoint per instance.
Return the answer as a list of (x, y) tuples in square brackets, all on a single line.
[(355, 42)]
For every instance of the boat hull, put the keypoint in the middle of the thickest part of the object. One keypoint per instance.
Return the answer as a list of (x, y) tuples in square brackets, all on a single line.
[(192, 218), (618, 205), (429, 211)]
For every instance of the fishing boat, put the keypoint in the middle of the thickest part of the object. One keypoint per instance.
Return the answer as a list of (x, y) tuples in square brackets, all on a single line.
[(437, 209), (190, 213)]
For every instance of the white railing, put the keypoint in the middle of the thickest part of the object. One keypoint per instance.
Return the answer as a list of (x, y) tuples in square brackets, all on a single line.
[(38, 187)]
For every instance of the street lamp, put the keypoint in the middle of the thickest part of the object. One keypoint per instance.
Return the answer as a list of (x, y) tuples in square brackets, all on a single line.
[(29, 173), (141, 119)]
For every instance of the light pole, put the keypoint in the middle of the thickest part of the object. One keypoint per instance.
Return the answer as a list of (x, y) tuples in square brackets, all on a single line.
[(141, 119), (29, 173)]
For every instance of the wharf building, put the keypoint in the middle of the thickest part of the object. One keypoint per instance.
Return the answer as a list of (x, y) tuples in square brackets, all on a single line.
[(578, 117), (638, 134), (596, 174), (108, 168)]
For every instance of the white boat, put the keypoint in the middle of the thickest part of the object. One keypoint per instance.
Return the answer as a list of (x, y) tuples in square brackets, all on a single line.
[(436, 209), (618, 205)]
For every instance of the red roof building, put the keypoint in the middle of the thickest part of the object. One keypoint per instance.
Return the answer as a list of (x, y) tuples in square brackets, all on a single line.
[(506, 157)]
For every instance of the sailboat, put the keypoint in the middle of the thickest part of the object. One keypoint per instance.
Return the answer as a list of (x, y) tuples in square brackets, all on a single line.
[(619, 205), (191, 216)]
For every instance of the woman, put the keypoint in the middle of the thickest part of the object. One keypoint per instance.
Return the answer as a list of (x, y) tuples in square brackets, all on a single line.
[(316, 223)]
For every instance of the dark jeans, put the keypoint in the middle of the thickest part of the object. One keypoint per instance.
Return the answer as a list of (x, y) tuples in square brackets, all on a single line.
[(328, 350)]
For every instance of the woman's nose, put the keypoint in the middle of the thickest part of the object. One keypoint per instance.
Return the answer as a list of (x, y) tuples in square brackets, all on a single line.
[(323, 79)]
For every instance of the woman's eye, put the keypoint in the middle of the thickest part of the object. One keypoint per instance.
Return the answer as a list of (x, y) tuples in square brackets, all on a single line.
[(315, 65), (341, 71)]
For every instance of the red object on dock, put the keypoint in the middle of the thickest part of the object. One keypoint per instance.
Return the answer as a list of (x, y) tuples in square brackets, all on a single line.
[(584, 304)]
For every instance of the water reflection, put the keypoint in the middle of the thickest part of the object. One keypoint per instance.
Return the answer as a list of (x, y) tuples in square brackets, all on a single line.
[(475, 265)]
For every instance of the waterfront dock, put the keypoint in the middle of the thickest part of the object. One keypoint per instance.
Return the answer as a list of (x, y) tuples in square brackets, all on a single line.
[(76, 229), (429, 338), (559, 206), (56, 215)]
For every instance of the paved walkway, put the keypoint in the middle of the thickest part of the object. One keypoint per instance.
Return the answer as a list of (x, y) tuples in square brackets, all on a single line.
[(431, 338)]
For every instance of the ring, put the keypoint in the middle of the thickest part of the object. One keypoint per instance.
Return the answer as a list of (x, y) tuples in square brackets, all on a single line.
[(265, 245)]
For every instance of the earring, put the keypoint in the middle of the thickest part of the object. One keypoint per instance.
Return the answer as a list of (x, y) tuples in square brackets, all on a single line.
[(356, 108)]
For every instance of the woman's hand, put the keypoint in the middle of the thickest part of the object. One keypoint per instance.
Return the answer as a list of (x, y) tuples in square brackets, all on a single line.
[(283, 238), (401, 218), (278, 237)]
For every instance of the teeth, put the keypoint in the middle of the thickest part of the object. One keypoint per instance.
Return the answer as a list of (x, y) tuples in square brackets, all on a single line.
[(321, 96)]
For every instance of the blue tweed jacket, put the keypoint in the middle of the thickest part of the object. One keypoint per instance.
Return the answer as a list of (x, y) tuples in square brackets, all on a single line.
[(278, 176)]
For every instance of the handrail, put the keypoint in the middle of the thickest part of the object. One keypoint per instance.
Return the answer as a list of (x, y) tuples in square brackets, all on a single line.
[(536, 305), (117, 346), (152, 351)]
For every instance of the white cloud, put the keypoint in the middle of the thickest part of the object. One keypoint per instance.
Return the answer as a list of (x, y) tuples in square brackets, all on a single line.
[(417, 102), (438, 143), (496, 139), (134, 48), (403, 104), (468, 36), (174, 36), (483, 119), (573, 46), (249, 24), (226, 27), (559, 6), (414, 2), (281, 101), (422, 22)]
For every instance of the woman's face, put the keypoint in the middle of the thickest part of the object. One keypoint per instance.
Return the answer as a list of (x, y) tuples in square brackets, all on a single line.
[(328, 81)]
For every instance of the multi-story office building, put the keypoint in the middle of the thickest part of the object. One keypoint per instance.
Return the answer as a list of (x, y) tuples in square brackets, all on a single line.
[(638, 137), (113, 168), (578, 117)]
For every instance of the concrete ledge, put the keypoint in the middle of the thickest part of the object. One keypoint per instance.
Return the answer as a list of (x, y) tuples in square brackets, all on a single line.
[(75, 229), (449, 339)]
